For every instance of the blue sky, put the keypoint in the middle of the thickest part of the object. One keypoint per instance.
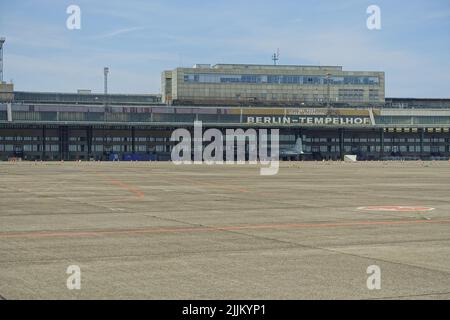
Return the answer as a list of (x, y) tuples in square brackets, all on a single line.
[(138, 39)]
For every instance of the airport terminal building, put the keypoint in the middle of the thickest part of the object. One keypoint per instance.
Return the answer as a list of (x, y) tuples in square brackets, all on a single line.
[(266, 85), (334, 112)]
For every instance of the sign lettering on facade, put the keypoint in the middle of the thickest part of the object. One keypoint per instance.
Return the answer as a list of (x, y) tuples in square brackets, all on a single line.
[(309, 120)]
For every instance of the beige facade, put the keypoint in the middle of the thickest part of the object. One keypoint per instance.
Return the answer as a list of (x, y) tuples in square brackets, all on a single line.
[(6, 92), (269, 84)]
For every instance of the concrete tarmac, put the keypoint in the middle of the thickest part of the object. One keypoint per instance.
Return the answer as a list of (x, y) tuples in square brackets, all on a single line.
[(161, 231)]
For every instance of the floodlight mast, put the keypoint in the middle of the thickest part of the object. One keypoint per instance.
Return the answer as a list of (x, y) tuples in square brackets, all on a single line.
[(105, 82), (2, 41)]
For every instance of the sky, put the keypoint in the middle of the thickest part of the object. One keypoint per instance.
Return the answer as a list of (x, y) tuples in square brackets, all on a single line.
[(138, 39)]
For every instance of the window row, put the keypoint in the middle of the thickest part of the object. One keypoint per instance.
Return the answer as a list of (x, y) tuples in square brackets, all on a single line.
[(280, 79), (28, 148), (386, 149)]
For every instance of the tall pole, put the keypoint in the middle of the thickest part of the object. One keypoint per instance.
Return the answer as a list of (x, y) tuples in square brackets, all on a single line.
[(105, 73), (2, 41), (328, 90)]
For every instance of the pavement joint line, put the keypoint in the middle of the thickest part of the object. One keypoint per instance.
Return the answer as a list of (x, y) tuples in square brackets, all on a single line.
[(355, 255), (40, 234), (139, 211), (58, 198), (290, 245), (412, 295), (169, 254)]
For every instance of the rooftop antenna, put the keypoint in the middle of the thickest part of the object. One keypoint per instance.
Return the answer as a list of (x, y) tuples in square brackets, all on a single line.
[(276, 57), (2, 41)]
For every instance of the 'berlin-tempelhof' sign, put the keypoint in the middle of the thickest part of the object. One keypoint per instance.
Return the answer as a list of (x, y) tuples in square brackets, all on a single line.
[(310, 120)]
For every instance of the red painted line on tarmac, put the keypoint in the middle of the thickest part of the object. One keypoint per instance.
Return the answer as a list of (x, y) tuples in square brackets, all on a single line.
[(127, 187), (94, 233), (138, 193)]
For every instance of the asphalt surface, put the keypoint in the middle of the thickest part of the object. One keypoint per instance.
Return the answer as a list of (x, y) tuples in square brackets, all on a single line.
[(160, 231)]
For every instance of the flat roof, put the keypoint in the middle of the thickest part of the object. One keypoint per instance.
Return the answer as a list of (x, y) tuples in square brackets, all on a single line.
[(420, 99), (90, 93), (271, 66)]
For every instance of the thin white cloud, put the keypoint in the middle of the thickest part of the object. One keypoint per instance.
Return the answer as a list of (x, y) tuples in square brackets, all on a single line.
[(117, 32)]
